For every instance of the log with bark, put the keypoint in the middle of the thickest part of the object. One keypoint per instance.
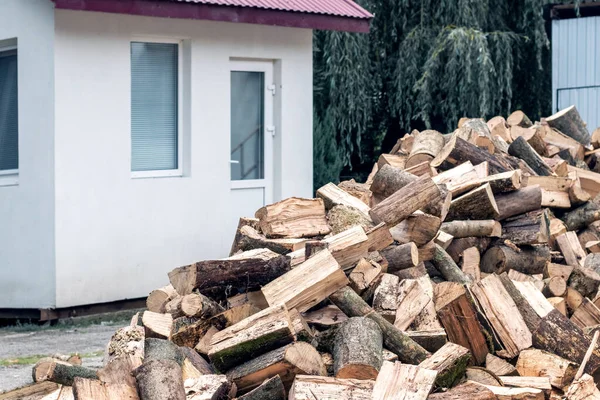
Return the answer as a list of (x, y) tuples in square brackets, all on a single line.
[(357, 350), (426, 145), (569, 122)]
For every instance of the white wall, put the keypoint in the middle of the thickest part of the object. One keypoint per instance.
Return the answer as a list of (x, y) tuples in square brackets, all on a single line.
[(117, 237), (27, 275), (576, 67)]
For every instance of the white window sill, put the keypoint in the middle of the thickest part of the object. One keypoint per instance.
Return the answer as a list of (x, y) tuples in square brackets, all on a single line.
[(176, 173), (9, 178), (248, 184)]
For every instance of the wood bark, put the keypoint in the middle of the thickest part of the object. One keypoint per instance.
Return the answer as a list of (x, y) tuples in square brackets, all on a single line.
[(479, 204), (398, 381), (401, 257), (447, 267), (582, 216), (385, 297), (450, 362), (523, 150), (457, 151), (527, 229), (119, 370), (61, 372), (396, 341), (389, 180), (357, 350), (270, 389), (256, 335), (295, 359), (519, 202), (244, 272), (157, 299), (467, 228), (307, 387), (533, 135), (160, 379), (530, 260), (293, 218), (569, 122)]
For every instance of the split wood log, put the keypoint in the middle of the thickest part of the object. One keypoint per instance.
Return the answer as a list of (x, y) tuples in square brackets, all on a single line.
[(270, 389), (459, 179), (457, 151), (385, 297), (91, 389), (467, 390), (583, 389), (549, 183), (582, 216), (459, 318), (430, 340), (157, 325), (396, 341), (160, 379), (569, 122), (412, 301), (249, 238), (422, 169), (519, 202), (306, 387), (426, 145), (349, 246), (499, 307), (194, 359), (470, 263), (359, 190), (256, 335), (419, 228), (534, 362), (517, 276), (341, 218), (160, 349), (325, 317), (128, 340), (188, 331), (571, 249), (363, 275), (482, 376), (308, 284), (450, 362), (173, 307), (504, 182), (243, 221), (426, 252), (459, 245), (443, 239), (559, 303), (595, 141), (507, 393), (302, 332), (379, 237), (312, 247), (398, 381), (586, 315), (533, 136), (199, 306), (499, 127), (573, 299), (481, 228), (203, 345), (532, 260), (395, 160), (518, 118), (478, 204), (590, 181), (233, 315), (243, 272), (401, 257), (209, 387), (119, 370), (158, 298), (447, 267), (333, 196), (416, 195), (357, 350), (61, 372), (498, 366), (536, 382), (554, 287), (295, 359), (557, 270), (293, 218), (527, 229), (35, 391)]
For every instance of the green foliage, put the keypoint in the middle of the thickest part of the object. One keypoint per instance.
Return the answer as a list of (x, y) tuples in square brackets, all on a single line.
[(424, 64)]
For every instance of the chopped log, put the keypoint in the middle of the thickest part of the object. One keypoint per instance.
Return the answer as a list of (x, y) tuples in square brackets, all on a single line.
[(293, 218), (359, 190), (128, 340), (582, 216), (527, 229), (379, 237), (401, 257), (499, 309), (394, 340), (593, 247), (517, 276), (460, 179), (411, 301), (595, 141), (203, 345), (559, 166), (325, 317), (363, 275), (499, 127), (519, 202), (256, 298), (459, 245), (426, 145), (430, 340), (232, 316), (385, 298), (119, 370), (243, 221), (199, 306), (194, 359), (504, 182), (398, 381), (507, 393), (249, 238), (467, 390), (157, 325), (554, 287), (583, 389), (341, 218), (523, 150), (61, 372), (295, 359), (533, 136), (481, 228), (443, 239), (312, 247), (256, 335), (559, 303), (518, 118), (571, 249), (357, 350), (537, 382), (498, 366), (243, 272), (212, 387), (35, 391), (302, 331), (333, 196), (470, 263), (555, 199), (426, 252), (447, 267), (270, 389), (557, 270), (388, 180), (586, 315), (534, 362), (419, 228), (482, 376), (349, 246), (500, 259), (479, 204), (394, 160), (457, 151), (549, 183), (91, 389), (160, 379), (188, 331), (590, 181), (569, 122), (157, 299), (173, 307), (450, 362), (573, 299), (308, 284), (459, 318), (422, 169), (557, 228), (414, 196), (160, 349), (321, 387)]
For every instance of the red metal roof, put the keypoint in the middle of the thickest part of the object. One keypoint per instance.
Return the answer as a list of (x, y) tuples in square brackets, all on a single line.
[(340, 8)]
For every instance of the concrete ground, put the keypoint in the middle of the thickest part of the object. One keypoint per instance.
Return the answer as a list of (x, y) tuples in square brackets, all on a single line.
[(22, 346)]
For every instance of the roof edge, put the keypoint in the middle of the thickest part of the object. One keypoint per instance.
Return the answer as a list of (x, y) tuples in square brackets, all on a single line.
[(162, 9)]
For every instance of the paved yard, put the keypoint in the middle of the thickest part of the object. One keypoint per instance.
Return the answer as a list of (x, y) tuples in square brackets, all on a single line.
[(21, 347)]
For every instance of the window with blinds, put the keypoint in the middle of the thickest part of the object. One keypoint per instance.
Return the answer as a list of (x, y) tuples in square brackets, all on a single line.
[(9, 112), (154, 106)]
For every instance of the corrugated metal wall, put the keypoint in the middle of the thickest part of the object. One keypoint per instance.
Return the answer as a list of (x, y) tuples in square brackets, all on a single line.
[(576, 67)]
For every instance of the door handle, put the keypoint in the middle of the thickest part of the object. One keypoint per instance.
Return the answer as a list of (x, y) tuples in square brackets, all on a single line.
[(234, 162)]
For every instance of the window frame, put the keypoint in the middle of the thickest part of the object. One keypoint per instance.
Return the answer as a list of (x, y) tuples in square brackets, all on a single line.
[(161, 173), (10, 177)]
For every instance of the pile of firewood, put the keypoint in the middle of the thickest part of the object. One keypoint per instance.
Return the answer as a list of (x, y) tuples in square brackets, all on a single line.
[(467, 266)]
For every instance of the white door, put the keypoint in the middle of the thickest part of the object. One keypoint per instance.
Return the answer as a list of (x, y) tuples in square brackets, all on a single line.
[(252, 132)]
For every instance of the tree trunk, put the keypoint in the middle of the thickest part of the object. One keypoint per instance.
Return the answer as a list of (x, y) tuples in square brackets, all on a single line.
[(519, 202), (478, 204), (457, 151), (50, 369), (357, 349), (401, 257), (569, 122), (467, 228), (531, 260), (159, 380), (447, 267)]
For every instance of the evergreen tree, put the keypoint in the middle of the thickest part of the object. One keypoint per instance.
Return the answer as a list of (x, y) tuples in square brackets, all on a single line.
[(425, 64)]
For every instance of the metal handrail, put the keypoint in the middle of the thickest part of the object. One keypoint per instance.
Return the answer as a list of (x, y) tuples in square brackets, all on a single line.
[(241, 148)]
